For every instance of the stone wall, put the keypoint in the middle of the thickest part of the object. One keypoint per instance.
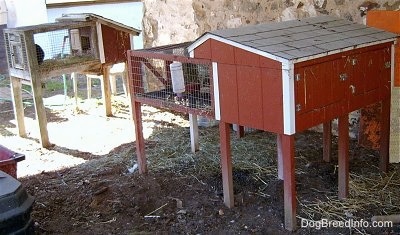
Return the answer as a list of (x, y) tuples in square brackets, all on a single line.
[(175, 21)]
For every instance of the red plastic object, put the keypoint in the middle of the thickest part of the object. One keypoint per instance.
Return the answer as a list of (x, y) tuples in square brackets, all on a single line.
[(8, 161)]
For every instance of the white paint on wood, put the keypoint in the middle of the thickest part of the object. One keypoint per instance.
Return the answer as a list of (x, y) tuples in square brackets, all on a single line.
[(194, 133), (217, 105), (100, 41), (289, 127)]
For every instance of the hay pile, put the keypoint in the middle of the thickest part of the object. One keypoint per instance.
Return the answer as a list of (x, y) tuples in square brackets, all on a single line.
[(169, 148)]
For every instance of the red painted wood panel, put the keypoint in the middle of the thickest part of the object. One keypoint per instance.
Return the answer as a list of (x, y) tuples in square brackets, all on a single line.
[(272, 99), (115, 44), (270, 63), (203, 51), (385, 79), (228, 93), (371, 70), (222, 53), (243, 57), (250, 96)]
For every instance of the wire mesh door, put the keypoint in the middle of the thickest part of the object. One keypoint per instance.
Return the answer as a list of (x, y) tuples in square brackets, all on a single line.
[(173, 82)]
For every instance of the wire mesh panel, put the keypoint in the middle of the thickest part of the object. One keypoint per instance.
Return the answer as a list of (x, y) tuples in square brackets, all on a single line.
[(173, 82), (49, 48)]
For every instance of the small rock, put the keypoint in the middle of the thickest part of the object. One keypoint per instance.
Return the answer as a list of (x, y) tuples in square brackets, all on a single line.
[(221, 212)]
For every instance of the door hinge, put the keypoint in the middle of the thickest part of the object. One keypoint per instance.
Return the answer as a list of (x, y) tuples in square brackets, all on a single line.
[(298, 77)]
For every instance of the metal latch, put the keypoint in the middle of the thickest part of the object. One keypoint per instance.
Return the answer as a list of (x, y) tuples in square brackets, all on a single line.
[(387, 64), (353, 89), (343, 77), (298, 77), (354, 61), (298, 107)]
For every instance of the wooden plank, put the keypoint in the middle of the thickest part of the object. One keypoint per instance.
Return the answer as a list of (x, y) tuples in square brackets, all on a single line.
[(40, 111), (343, 156), (228, 93), (89, 86), (280, 156), (16, 95), (37, 91), (240, 131), (384, 136), (140, 153), (272, 97), (249, 88), (289, 185), (226, 163), (105, 89), (74, 78), (194, 133), (327, 141)]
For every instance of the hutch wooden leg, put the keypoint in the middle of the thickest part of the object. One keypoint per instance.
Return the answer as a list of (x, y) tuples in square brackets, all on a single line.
[(89, 86), (40, 111), (137, 117), (327, 139), (16, 90), (384, 136), (226, 163), (113, 84), (194, 133), (280, 157), (74, 77), (105, 88), (240, 131), (289, 183), (343, 157)]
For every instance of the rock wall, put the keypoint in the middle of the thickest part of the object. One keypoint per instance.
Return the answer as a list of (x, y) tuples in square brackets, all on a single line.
[(175, 21)]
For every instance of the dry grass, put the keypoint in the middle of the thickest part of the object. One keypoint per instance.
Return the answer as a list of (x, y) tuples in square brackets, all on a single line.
[(169, 148)]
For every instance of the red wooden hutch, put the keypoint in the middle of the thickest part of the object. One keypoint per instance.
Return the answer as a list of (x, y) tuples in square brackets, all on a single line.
[(287, 77)]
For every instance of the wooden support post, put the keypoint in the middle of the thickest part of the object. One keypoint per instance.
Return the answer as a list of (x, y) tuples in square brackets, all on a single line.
[(240, 131), (194, 132), (125, 81), (280, 157), (137, 118), (105, 88), (327, 141), (289, 183), (40, 110), (18, 106), (385, 133), (226, 163), (343, 157), (128, 88), (74, 78), (113, 83), (89, 86)]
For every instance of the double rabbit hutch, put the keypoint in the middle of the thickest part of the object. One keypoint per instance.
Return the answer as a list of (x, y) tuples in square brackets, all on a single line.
[(75, 43), (281, 77)]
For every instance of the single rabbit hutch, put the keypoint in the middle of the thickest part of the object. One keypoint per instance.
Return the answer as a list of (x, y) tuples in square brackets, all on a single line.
[(84, 43), (283, 78)]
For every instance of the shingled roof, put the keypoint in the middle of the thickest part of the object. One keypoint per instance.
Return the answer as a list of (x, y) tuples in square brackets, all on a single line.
[(303, 38)]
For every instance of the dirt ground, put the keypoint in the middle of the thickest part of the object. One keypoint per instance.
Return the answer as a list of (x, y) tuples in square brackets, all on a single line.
[(87, 183)]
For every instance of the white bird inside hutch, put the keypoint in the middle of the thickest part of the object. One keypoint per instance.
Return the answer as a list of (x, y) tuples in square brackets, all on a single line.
[(76, 43)]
